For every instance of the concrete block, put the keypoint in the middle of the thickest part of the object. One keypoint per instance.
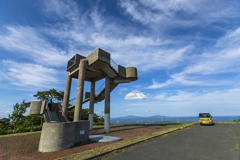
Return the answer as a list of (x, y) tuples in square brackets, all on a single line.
[(131, 73), (44, 105), (57, 136), (74, 62), (103, 56), (35, 107), (98, 54), (81, 131)]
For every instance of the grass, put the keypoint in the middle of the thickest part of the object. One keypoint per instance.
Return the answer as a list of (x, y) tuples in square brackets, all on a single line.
[(227, 122), (99, 126), (112, 147), (19, 134), (164, 124)]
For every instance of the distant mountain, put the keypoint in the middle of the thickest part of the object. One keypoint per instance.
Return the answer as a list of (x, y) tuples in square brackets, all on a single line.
[(157, 116), (130, 116)]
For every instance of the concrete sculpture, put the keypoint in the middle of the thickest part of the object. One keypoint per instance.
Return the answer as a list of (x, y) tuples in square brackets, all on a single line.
[(94, 67), (57, 133)]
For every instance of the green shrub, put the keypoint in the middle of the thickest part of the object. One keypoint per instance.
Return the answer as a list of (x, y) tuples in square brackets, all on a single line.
[(99, 123), (20, 129), (37, 128), (3, 131), (27, 129)]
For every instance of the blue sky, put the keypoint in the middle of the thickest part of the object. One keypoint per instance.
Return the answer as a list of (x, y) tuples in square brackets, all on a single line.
[(187, 52)]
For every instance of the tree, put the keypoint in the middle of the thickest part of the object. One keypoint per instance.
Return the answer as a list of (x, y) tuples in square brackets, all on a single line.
[(17, 117), (5, 121), (4, 125), (45, 95), (96, 118), (84, 114), (237, 119), (70, 114), (32, 119)]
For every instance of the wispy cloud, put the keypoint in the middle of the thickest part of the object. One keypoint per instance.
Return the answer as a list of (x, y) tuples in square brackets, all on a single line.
[(170, 13), (30, 75), (222, 58), (220, 97), (3, 105), (135, 94), (182, 103), (180, 96), (32, 45), (121, 90), (4, 113), (92, 29)]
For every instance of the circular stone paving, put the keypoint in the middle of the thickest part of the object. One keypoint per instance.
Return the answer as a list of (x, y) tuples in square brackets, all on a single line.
[(102, 138)]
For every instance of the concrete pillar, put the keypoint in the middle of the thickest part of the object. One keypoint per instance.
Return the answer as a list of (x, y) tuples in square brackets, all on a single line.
[(67, 94), (91, 104), (107, 105), (80, 87)]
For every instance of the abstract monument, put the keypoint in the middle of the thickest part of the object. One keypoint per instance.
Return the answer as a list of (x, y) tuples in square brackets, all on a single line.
[(61, 134)]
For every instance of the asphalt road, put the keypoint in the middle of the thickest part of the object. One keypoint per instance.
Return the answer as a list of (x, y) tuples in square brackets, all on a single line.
[(195, 143)]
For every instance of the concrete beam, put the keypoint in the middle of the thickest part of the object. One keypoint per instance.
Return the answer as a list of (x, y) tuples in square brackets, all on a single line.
[(80, 87), (98, 54), (121, 81), (91, 104), (35, 107), (109, 71), (107, 105), (67, 94)]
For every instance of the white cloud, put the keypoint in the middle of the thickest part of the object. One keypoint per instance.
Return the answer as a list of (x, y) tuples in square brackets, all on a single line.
[(30, 75), (135, 94)]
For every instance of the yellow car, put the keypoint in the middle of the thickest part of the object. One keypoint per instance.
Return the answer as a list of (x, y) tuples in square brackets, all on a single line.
[(205, 119)]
